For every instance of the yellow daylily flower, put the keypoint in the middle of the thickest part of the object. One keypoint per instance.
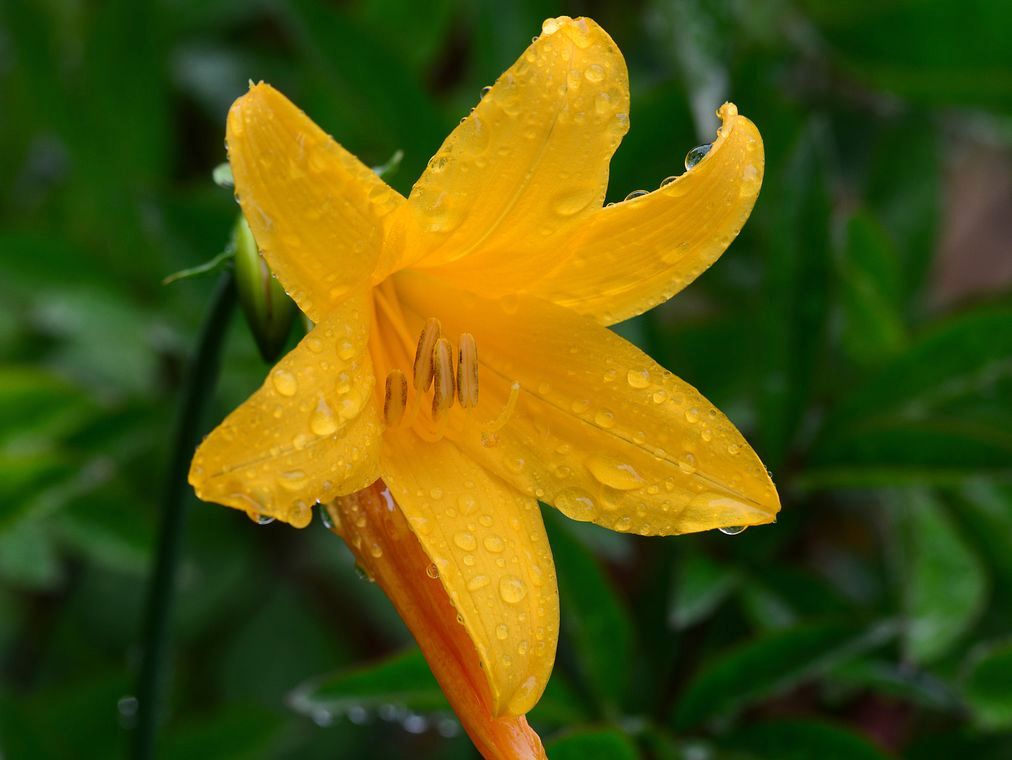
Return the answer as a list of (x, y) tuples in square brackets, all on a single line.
[(461, 351)]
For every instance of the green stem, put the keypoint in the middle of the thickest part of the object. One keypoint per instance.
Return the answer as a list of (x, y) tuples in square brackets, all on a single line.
[(201, 378)]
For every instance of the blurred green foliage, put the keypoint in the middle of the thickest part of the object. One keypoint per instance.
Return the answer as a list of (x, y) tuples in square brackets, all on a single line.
[(872, 621)]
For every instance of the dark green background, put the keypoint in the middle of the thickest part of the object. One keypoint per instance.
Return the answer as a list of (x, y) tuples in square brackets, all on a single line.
[(859, 332)]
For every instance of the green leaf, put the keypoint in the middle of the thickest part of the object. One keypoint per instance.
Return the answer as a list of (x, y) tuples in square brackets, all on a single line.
[(28, 558), (699, 588), (892, 679), (36, 406), (238, 733), (772, 664), (988, 687), (945, 585), (937, 52), (802, 740), (403, 680), (593, 744), (598, 625), (939, 413), (27, 479), (871, 292), (794, 295)]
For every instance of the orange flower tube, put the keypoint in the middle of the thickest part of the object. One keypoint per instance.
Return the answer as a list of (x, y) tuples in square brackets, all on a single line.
[(376, 531)]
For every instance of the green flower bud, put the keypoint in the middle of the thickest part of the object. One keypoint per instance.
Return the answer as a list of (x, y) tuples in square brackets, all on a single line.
[(268, 309)]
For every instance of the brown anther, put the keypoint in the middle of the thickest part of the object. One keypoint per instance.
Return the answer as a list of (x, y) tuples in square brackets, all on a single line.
[(467, 372), (423, 369), (395, 401), (443, 380)]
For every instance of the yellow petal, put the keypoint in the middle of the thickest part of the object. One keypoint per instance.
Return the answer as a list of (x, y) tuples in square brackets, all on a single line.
[(489, 547), (315, 210), (530, 161), (636, 254), (599, 430), (375, 529), (310, 433)]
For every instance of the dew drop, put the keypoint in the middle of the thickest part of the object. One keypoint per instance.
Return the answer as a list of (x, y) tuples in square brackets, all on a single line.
[(292, 480), (638, 378), (284, 382), (636, 194), (623, 523), (733, 530), (605, 419), (570, 203), (465, 541), (512, 589), (613, 473), (692, 415), (493, 544), (258, 518), (346, 350), (575, 503), (322, 421), (432, 571), (667, 181), (688, 464), (733, 448), (485, 90), (696, 155), (594, 73), (467, 504), (327, 518), (478, 582), (501, 632)]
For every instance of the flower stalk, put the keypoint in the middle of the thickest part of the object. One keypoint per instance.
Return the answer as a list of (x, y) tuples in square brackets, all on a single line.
[(201, 379)]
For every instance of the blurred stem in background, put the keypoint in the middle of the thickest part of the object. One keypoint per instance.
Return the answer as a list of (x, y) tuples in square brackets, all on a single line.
[(202, 376)]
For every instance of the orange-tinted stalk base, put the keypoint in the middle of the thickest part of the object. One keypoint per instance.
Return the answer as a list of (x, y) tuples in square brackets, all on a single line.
[(379, 535)]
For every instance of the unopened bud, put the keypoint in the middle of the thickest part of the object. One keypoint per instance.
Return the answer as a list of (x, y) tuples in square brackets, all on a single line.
[(268, 309)]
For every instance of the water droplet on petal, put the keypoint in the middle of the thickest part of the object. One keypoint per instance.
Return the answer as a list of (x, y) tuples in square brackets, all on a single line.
[(636, 194), (502, 631), (292, 480), (465, 541), (322, 421), (638, 378), (432, 571), (605, 419), (613, 473), (696, 155), (493, 544), (478, 582), (512, 589), (258, 518), (594, 73), (486, 90), (284, 382), (733, 530), (346, 350)]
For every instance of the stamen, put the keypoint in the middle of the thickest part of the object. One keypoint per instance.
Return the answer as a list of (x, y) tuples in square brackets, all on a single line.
[(467, 372), (443, 385), (423, 368), (396, 399)]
